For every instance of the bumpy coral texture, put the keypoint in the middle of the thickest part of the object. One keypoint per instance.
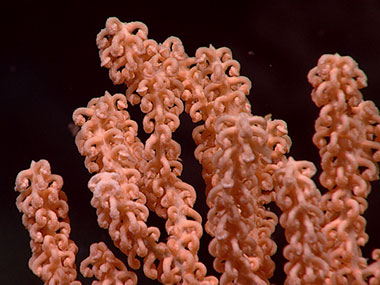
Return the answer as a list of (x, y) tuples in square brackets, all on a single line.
[(213, 90), (45, 217), (106, 267), (244, 166), (347, 134), (302, 219)]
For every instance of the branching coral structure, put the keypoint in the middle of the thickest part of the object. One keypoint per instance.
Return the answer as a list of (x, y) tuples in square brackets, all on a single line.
[(245, 167)]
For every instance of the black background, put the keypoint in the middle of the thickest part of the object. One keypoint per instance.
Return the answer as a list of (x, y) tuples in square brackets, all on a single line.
[(49, 66)]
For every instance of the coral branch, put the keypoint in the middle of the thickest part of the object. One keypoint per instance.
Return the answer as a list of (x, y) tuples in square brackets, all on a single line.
[(302, 219), (44, 209), (347, 134)]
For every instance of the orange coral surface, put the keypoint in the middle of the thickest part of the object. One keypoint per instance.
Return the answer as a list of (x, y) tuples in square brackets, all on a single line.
[(245, 167)]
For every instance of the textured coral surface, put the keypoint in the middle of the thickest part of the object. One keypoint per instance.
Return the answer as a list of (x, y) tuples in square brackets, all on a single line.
[(50, 67), (245, 168)]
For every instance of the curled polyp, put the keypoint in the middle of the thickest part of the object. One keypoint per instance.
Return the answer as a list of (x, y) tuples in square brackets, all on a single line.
[(352, 208), (36, 201), (170, 67), (187, 260), (149, 267), (142, 250), (218, 263), (205, 56), (113, 137), (130, 65), (191, 242), (230, 274), (173, 47), (372, 171), (117, 48), (123, 156), (169, 271), (220, 231), (172, 121), (194, 227), (133, 262), (24, 181), (232, 66), (48, 219), (113, 25), (92, 146), (148, 121), (136, 43), (104, 182), (106, 267)]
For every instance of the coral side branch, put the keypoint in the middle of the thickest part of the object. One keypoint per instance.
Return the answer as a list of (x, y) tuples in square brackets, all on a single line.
[(347, 135), (45, 209), (302, 219)]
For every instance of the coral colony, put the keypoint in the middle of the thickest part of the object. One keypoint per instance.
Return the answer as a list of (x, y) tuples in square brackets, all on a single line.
[(244, 164)]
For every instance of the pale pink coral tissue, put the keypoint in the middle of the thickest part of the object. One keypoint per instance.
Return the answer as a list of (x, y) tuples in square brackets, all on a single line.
[(244, 165)]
